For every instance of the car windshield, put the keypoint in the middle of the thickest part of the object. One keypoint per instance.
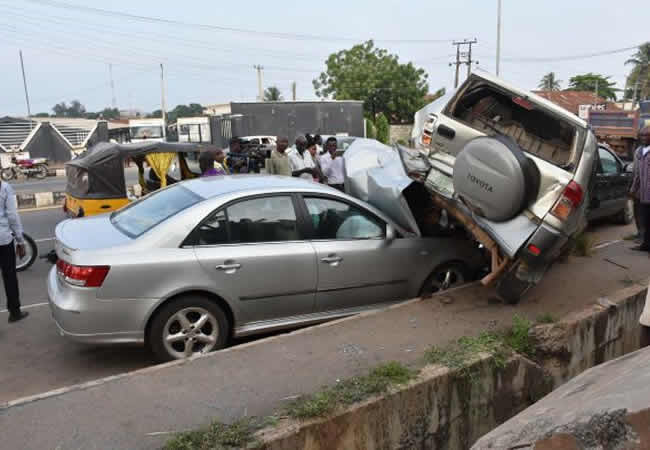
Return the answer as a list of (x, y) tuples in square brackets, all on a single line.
[(141, 216)]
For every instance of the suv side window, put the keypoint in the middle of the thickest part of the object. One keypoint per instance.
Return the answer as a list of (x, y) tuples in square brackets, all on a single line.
[(334, 219), (608, 163)]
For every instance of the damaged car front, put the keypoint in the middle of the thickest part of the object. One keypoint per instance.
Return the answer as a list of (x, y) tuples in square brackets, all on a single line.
[(510, 168)]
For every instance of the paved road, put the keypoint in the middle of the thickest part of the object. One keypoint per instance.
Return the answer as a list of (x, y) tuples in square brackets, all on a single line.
[(57, 184), (36, 359)]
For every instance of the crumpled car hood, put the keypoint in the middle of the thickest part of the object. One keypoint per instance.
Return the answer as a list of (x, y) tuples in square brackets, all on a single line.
[(375, 173)]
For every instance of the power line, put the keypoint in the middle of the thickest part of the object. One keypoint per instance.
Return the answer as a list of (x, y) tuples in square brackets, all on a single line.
[(151, 19)]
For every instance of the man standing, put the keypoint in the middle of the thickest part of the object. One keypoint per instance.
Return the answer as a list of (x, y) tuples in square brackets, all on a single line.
[(279, 163), (10, 229), (332, 165), (641, 186), (300, 161), (237, 160)]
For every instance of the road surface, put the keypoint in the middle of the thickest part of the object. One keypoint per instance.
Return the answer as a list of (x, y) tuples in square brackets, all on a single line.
[(36, 359)]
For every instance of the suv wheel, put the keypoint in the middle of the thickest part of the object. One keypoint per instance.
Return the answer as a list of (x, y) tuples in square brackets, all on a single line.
[(626, 216), (511, 289), (186, 327)]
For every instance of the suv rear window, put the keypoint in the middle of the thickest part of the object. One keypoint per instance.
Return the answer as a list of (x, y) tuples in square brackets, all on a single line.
[(493, 112)]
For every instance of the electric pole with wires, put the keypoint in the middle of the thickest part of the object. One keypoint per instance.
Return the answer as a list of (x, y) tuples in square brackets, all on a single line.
[(463, 58)]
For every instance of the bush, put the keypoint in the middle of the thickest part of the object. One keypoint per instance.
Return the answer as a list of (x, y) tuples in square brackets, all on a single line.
[(383, 128), (371, 132)]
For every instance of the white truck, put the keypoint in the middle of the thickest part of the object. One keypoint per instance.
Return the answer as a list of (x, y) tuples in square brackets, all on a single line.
[(146, 130)]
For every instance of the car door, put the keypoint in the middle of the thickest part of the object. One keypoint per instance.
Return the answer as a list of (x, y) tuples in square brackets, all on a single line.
[(611, 185), (357, 265), (254, 251)]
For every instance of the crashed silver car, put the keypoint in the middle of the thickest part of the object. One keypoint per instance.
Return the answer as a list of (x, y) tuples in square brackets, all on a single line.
[(508, 167)]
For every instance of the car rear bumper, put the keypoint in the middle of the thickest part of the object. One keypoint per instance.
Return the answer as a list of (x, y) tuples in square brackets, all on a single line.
[(540, 251), (81, 317)]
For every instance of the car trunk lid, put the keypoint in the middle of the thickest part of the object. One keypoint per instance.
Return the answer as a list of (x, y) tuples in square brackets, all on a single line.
[(88, 233)]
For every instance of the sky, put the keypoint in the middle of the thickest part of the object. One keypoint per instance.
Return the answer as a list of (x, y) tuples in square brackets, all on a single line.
[(210, 57)]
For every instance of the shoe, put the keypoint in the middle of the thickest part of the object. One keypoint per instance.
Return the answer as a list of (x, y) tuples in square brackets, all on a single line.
[(16, 317), (642, 248)]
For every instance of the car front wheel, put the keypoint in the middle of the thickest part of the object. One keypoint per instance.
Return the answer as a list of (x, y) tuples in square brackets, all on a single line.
[(445, 276), (186, 327)]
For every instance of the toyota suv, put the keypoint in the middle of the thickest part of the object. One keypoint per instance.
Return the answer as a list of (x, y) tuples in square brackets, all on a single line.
[(510, 168)]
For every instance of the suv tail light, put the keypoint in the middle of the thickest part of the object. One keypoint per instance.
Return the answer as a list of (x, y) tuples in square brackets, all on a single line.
[(427, 131), (83, 276), (570, 199)]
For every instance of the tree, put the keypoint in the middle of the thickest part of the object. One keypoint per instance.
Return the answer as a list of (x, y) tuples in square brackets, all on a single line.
[(375, 77), (155, 114), (639, 76), (272, 94), (41, 114), (549, 82), (589, 82), (76, 109), (383, 128), (60, 109)]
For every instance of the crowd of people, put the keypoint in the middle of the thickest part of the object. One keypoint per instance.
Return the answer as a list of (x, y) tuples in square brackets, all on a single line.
[(308, 158)]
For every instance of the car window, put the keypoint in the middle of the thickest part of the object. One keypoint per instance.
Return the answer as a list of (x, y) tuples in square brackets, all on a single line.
[(265, 219), (608, 162), (214, 230), (334, 219), (142, 215)]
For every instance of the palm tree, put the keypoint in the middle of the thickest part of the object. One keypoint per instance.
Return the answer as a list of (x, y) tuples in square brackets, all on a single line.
[(272, 94), (550, 82), (640, 74)]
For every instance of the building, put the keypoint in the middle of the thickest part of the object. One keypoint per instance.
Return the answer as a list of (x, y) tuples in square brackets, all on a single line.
[(578, 102), (56, 139), (217, 109)]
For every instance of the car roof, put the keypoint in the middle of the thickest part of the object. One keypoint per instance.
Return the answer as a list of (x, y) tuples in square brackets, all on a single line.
[(208, 187)]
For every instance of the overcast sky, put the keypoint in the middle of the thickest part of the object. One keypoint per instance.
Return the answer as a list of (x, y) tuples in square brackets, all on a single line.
[(67, 51)]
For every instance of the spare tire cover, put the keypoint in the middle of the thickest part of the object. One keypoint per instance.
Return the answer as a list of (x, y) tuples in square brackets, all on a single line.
[(495, 178)]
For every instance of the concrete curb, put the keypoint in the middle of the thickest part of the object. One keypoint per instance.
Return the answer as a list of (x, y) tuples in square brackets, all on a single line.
[(440, 409), (32, 200)]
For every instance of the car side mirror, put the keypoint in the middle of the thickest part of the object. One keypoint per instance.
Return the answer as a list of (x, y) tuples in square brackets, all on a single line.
[(391, 233)]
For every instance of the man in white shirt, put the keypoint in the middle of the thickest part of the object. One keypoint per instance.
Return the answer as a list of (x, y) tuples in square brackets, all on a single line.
[(300, 161), (332, 165), (10, 229)]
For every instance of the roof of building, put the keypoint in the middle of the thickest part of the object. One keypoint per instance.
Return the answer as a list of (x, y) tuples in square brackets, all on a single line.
[(571, 100)]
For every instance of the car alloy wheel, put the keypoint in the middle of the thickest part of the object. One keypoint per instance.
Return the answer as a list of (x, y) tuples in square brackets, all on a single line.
[(444, 277), (189, 332)]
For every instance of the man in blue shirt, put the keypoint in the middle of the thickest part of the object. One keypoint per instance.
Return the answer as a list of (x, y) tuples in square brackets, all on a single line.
[(10, 229)]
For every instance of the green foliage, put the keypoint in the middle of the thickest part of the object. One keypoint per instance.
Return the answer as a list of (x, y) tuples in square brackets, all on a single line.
[(272, 94), (459, 354), (349, 391), (377, 78), (545, 318), (549, 82), (588, 82), (640, 73), (371, 131), (383, 129), (191, 110), (75, 109), (42, 114), (217, 436), (517, 338)]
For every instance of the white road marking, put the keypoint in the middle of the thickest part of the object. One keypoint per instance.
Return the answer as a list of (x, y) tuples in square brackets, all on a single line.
[(35, 305), (44, 239)]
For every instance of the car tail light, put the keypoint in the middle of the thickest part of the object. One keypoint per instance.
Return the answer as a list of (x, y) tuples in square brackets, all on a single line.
[(568, 201), (83, 276), (532, 248)]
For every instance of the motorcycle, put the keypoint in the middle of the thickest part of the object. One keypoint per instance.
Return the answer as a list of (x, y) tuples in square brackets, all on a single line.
[(28, 167), (31, 253)]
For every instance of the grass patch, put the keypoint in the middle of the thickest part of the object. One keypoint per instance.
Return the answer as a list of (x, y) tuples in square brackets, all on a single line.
[(349, 391), (517, 337), (546, 318), (218, 436), (583, 245)]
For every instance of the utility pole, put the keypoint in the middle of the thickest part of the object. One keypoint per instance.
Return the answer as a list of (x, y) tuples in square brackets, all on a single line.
[(113, 100), (29, 111), (596, 94), (468, 55), (260, 89), (293, 91), (498, 36), (162, 102)]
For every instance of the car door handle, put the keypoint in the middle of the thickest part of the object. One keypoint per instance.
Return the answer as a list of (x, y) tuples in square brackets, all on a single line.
[(227, 267), (332, 259)]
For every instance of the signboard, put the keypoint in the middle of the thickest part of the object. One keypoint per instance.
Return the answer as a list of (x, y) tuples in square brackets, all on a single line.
[(583, 110)]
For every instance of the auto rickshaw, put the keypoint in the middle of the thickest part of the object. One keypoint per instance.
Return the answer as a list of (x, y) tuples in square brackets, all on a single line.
[(96, 182)]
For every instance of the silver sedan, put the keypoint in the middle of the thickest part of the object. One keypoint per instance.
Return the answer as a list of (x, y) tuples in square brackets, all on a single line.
[(188, 267)]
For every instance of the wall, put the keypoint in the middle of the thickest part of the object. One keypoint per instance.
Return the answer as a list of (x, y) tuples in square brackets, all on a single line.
[(449, 410), (400, 132)]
